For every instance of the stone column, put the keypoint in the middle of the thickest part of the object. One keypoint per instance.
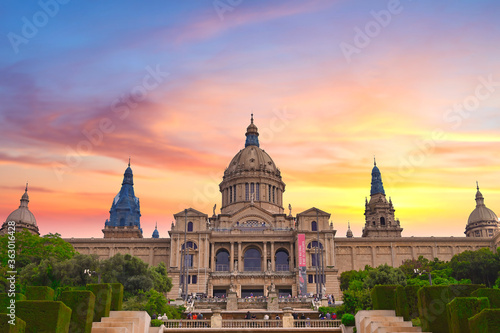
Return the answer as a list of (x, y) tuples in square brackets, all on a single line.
[(265, 255), (291, 261), (232, 301), (272, 256), (231, 258), (287, 318), (213, 258), (240, 258), (216, 320)]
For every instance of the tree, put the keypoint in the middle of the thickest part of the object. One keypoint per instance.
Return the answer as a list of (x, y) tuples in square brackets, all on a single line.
[(348, 276), (479, 266), (161, 282), (385, 275)]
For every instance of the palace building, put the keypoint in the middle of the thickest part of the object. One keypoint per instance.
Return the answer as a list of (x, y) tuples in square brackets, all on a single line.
[(254, 244)]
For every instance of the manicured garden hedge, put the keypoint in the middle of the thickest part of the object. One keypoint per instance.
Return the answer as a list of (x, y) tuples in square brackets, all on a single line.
[(44, 316), (407, 302), (460, 309), (102, 294), (486, 321), (432, 302), (5, 301), (18, 327), (492, 294), (81, 303), (463, 290), (39, 293), (116, 296), (383, 297)]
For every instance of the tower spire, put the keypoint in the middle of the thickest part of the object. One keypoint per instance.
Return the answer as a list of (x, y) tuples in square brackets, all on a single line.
[(377, 185), (252, 134)]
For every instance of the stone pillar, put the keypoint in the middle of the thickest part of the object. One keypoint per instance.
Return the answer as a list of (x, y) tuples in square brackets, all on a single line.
[(213, 258), (374, 250), (264, 246), (291, 259), (272, 301), (151, 252), (232, 301), (216, 320), (287, 318), (272, 256), (240, 258), (231, 258)]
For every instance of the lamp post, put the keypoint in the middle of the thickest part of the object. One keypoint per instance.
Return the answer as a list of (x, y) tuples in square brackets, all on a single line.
[(90, 273), (417, 271)]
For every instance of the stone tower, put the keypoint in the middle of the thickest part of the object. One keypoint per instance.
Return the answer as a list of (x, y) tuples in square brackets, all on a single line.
[(379, 213), (125, 213)]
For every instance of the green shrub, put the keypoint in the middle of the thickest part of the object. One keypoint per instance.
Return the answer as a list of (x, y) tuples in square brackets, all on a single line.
[(407, 302), (432, 302), (116, 296), (486, 321), (81, 303), (102, 293), (44, 316), (463, 290), (348, 319), (5, 327), (383, 297), (58, 292), (492, 294), (39, 293), (460, 309), (5, 301), (156, 322)]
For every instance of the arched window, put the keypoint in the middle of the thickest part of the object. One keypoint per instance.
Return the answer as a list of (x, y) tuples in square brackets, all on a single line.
[(314, 226), (251, 260), (222, 261), (282, 260), (247, 195), (382, 221), (190, 245), (314, 244), (190, 226)]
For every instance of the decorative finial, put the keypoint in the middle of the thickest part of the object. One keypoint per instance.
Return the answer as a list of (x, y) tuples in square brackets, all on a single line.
[(129, 161), (348, 225), (374, 161), (156, 225), (251, 119), (477, 184), (26, 189)]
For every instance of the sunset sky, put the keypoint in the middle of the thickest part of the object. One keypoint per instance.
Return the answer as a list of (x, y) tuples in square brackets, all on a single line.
[(86, 84)]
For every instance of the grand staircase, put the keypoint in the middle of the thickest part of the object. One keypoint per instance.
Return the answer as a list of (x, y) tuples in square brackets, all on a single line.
[(382, 321)]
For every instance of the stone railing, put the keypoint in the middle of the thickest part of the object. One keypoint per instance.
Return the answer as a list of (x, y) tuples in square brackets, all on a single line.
[(187, 323), (316, 323), (251, 323)]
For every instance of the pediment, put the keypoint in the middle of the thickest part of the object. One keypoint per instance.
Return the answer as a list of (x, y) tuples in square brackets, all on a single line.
[(312, 212), (191, 212)]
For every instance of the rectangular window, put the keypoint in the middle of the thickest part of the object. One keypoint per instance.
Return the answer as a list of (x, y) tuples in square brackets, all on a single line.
[(252, 190), (234, 193), (257, 191), (230, 194), (315, 259), (246, 192), (269, 194), (310, 278), (194, 279), (274, 191), (189, 260)]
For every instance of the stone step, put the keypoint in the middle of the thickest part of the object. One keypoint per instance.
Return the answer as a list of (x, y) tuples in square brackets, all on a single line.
[(132, 324), (129, 325), (366, 322), (373, 326), (109, 330), (398, 329), (144, 319)]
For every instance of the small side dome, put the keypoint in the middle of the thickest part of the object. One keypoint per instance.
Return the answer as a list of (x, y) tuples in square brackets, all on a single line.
[(22, 216), (156, 234), (349, 233), (481, 212)]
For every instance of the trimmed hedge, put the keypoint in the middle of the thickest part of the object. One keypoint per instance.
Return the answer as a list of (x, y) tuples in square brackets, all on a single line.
[(18, 327), (102, 294), (116, 296), (44, 316), (486, 321), (492, 294), (348, 320), (383, 297), (432, 302), (407, 302), (463, 290), (460, 309), (39, 293), (5, 301), (81, 303)]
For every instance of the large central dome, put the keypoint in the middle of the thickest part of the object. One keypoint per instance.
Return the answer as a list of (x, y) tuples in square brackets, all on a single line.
[(252, 176)]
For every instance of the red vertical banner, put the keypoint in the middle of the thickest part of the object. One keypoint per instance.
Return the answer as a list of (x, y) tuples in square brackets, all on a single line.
[(301, 246)]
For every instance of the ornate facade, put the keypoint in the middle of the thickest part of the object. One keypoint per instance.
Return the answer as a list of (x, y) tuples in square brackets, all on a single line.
[(253, 245)]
